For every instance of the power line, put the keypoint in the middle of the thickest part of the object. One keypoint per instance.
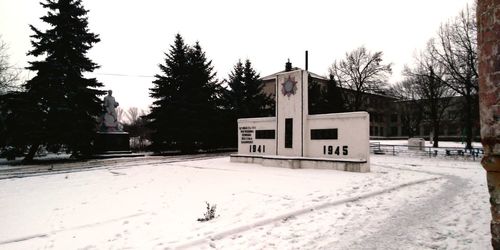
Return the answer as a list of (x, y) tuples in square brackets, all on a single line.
[(120, 75), (99, 73)]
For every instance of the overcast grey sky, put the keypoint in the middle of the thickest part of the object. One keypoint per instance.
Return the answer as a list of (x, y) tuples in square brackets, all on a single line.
[(135, 34)]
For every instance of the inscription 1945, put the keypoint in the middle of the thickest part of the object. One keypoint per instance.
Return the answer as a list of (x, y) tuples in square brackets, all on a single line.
[(330, 150)]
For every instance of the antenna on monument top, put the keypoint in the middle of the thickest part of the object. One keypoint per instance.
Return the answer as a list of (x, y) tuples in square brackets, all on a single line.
[(307, 60)]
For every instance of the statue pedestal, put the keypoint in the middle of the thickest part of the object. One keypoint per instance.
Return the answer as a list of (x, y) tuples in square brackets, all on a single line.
[(112, 142)]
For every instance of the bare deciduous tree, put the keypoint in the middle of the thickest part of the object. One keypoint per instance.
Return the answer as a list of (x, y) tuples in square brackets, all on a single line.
[(139, 133), (132, 115), (8, 75), (361, 72), (429, 84), (119, 114), (456, 50), (410, 107)]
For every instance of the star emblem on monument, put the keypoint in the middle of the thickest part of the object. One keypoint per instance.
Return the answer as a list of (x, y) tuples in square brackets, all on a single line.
[(289, 86)]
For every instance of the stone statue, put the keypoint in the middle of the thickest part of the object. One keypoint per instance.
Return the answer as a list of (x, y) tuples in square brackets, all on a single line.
[(109, 122), (110, 138)]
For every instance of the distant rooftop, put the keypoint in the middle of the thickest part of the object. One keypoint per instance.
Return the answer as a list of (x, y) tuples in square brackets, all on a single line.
[(273, 76)]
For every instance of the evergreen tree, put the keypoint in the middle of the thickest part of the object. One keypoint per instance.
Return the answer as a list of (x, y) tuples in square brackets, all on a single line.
[(235, 95), (201, 99), (243, 99), (334, 101), (183, 114), (325, 99), (258, 104), (165, 91), (244, 96), (59, 105), (315, 96)]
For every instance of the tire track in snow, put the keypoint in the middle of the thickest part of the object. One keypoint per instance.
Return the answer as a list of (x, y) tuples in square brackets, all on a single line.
[(43, 235)]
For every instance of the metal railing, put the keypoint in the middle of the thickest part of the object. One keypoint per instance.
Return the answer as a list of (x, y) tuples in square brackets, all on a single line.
[(455, 152)]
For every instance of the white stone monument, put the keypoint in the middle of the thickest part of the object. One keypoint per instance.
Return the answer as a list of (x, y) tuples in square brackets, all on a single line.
[(110, 138), (296, 139)]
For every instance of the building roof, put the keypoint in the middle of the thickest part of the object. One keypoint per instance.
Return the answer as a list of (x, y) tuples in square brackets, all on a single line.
[(273, 76)]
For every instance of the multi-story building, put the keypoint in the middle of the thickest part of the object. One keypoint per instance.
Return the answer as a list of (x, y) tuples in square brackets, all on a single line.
[(392, 118)]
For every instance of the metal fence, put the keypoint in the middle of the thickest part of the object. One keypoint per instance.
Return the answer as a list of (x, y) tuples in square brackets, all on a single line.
[(450, 152)]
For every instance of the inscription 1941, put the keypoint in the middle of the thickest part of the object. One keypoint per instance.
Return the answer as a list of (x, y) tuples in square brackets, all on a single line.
[(247, 134)]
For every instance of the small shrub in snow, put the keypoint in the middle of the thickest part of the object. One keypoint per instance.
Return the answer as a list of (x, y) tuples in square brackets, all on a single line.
[(210, 214)]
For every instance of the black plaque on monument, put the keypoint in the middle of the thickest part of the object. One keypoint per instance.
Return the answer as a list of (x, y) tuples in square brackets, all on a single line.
[(110, 139)]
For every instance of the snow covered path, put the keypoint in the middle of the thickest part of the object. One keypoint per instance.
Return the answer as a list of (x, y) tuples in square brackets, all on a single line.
[(451, 212), (404, 203), (435, 220)]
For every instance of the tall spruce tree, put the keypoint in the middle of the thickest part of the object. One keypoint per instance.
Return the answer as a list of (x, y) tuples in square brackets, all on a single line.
[(334, 102), (258, 103), (235, 95), (201, 102), (61, 105), (315, 94), (326, 98), (183, 114), (165, 109), (244, 96)]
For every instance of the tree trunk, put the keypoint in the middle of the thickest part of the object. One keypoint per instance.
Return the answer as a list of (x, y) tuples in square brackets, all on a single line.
[(469, 106), (436, 134), (435, 120), (31, 153)]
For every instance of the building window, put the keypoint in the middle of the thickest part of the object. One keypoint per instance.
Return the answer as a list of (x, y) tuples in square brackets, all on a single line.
[(405, 131), (394, 131), (324, 134), (265, 134), (381, 131), (394, 118)]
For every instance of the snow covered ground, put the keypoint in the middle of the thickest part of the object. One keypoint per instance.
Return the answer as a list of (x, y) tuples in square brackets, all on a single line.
[(154, 203)]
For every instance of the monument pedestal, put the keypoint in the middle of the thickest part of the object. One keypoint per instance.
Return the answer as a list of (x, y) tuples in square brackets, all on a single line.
[(112, 143), (349, 165)]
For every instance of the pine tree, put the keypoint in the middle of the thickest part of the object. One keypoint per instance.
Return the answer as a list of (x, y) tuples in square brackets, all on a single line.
[(235, 95), (325, 99), (243, 99), (201, 97), (244, 96), (168, 101), (334, 102), (62, 104), (258, 104), (315, 96), (183, 114)]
